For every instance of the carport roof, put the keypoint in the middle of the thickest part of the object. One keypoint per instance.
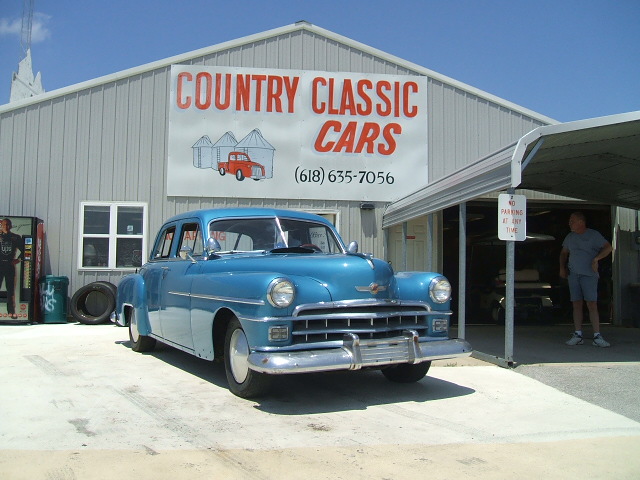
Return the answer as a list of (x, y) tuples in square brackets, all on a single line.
[(596, 160)]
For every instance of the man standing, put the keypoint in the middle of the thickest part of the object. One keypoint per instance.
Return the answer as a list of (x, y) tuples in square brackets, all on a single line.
[(9, 244), (583, 248)]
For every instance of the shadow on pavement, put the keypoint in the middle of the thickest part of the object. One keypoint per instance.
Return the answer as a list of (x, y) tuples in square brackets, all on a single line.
[(534, 344), (312, 393)]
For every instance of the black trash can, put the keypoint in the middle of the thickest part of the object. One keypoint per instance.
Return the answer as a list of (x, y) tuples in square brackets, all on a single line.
[(53, 299)]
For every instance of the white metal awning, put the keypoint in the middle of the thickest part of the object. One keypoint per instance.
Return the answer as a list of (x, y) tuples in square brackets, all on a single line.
[(596, 159), (486, 175)]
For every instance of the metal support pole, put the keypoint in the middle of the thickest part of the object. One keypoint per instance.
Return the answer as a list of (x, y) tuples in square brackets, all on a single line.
[(430, 243), (404, 246), (509, 294), (462, 270)]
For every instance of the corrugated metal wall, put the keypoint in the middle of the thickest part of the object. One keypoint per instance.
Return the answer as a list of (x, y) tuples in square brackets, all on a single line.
[(107, 141)]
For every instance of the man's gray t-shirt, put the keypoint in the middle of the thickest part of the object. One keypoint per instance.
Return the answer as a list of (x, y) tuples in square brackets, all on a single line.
[(583, 248)]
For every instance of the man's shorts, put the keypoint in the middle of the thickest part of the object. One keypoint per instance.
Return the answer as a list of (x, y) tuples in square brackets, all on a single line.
[(583, 287)]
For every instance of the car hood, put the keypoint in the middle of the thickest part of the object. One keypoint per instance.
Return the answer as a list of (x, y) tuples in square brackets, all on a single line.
[(345, 276)]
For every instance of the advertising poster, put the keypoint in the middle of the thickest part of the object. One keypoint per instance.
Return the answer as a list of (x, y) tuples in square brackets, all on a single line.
[(19, 247), (271, 133)]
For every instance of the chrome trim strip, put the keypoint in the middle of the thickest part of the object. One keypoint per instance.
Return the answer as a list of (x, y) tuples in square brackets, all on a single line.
[(347, 315), (246, 301), (371, 302)]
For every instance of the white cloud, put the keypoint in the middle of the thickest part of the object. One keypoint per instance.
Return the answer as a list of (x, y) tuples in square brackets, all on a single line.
[(10, 27), (39, 29)]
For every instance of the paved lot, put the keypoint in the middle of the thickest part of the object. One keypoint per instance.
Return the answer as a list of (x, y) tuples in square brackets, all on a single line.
[(608, 377), (77, 403)]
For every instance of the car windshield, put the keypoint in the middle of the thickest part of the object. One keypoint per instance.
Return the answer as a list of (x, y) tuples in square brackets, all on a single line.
[(280, 235)]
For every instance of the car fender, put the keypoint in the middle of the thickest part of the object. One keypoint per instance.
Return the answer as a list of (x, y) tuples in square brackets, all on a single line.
[(245, 295), (132, 293), (415, 286)]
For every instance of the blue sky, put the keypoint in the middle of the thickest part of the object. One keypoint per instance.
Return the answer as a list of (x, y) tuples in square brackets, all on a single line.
[(566, 59)]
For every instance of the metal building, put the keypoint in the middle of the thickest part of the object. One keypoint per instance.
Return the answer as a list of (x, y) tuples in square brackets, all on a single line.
[(92, 159)]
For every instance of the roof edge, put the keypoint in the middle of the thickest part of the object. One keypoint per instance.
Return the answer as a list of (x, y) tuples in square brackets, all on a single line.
[(298, 26)]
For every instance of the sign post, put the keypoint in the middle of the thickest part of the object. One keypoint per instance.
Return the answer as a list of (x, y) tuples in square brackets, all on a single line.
[(512, 227)]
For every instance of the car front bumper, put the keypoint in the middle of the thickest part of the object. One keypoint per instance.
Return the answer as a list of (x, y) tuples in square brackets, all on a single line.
[(356, 353)]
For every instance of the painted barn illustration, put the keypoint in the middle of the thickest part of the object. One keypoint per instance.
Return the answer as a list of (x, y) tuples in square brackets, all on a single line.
[(251, 157)]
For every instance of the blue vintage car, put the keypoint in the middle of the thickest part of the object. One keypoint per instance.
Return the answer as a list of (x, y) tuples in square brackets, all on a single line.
[(278, 292)]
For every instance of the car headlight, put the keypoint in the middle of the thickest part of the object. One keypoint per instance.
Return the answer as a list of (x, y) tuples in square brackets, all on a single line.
[(440, 290), (281, 293)]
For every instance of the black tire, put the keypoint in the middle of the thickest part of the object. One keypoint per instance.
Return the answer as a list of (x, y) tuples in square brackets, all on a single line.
[(239, 175), (139, 343), (88, 313), (406, 373), (243, 381), (222, 171)]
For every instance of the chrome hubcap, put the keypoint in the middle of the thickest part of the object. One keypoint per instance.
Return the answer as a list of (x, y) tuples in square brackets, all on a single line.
[(133, 328), (238, 355)]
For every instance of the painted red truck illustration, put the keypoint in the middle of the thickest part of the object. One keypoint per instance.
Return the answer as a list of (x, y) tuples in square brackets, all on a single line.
[(241, 165)]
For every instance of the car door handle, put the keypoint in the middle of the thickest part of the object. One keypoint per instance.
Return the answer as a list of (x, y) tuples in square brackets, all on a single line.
[(165, 270)]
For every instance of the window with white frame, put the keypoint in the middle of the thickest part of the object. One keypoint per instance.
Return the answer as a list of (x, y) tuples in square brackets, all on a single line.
[(113, 235)]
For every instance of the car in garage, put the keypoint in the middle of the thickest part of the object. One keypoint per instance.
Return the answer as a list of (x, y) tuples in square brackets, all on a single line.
[(274, 292)]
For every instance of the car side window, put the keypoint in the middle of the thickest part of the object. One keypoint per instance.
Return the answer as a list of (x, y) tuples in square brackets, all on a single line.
[(163, 249), (192, 237)]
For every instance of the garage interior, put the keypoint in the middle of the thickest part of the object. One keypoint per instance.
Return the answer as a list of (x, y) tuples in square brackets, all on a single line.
[(536, 262)]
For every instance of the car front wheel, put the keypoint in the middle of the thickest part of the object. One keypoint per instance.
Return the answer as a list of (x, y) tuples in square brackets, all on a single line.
[(139, 343), (406, 373), (243, 381)]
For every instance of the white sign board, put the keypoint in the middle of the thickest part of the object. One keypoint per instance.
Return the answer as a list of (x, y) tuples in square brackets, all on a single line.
[(512, 217), (271, 133)]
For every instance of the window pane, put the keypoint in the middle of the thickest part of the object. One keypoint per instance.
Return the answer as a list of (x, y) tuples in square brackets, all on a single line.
[(130, 220), (96, 219), (128, 252), (95, 252), (192, 238), (163, 249)]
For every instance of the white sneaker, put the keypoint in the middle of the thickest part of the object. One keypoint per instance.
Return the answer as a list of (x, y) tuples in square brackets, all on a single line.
[(575, 340), (598, 341)]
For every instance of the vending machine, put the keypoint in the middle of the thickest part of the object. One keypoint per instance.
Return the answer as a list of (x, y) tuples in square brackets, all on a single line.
[(21, 265)]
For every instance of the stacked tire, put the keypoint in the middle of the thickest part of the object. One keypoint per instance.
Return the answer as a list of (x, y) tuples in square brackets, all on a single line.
[(94, 303)]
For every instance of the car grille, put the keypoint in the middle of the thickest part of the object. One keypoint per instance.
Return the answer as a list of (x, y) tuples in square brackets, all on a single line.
[(321, 324), (256, 172)]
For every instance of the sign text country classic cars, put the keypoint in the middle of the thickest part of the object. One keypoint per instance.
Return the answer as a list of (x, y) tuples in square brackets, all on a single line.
[(311, 134)]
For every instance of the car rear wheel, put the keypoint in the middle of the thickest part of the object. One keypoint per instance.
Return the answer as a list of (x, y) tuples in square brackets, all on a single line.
[(406, 373), (222, 171), (243, 381), (139, 343)]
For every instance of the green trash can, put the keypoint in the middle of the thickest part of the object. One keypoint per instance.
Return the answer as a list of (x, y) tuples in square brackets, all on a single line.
[(53, 299)]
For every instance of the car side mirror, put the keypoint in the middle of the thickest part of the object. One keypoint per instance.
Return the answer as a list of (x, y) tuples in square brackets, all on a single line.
[(186, 252), (352, 248), (213, 245)]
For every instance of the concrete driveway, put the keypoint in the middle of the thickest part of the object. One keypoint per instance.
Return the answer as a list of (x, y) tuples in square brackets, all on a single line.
[(78, 403)]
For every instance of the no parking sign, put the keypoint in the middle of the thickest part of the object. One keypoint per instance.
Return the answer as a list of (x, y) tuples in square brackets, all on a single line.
[(512, 217)]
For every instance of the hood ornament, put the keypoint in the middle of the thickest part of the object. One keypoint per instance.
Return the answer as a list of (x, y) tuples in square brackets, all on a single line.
[(372, 288)]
